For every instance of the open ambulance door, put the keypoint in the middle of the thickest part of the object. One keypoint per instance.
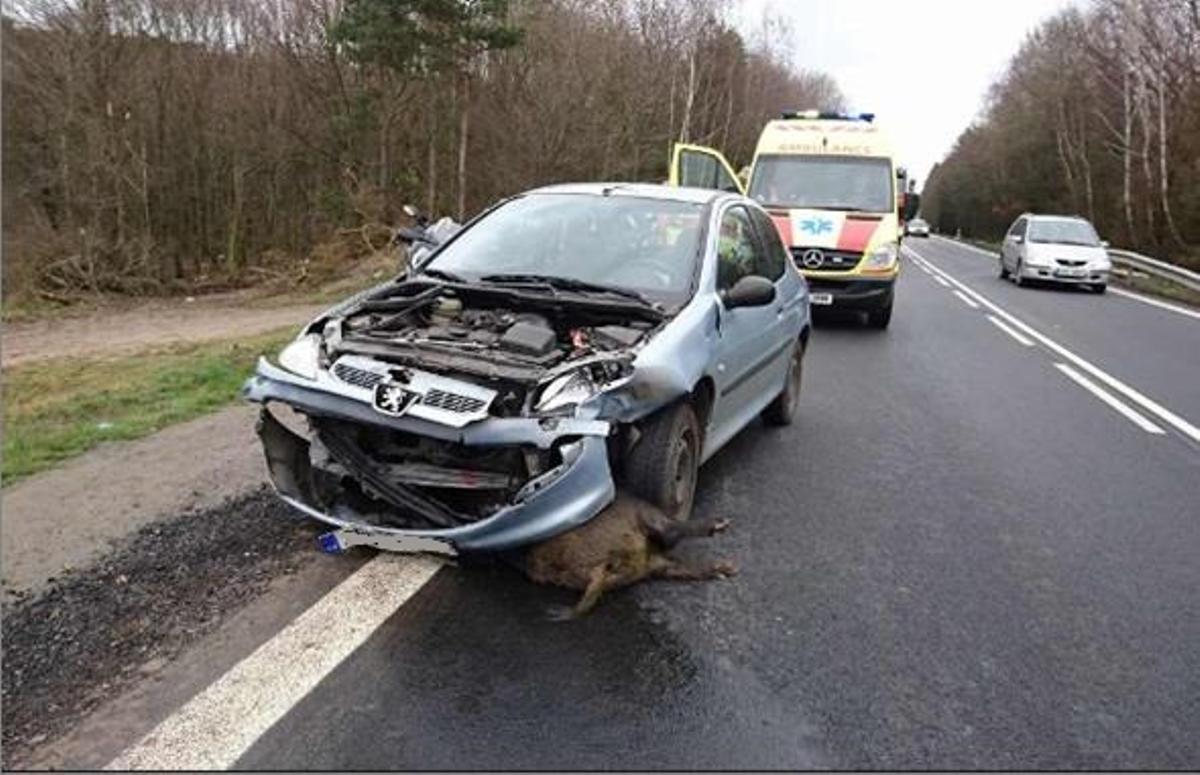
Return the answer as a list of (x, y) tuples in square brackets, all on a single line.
[(700, 167)]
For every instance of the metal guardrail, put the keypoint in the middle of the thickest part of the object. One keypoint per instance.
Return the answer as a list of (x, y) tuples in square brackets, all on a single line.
[(1156, 268)]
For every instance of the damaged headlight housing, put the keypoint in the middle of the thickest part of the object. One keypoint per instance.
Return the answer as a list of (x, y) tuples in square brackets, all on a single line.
[(302, 356), (561, 395), (881, 258)]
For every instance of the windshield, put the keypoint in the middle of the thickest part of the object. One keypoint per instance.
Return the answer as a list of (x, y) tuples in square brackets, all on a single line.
[(831, 182), (648, 246), (644, 245), (1064, 232)]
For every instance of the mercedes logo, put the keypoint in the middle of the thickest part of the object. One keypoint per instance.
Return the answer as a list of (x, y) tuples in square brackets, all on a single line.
[(812, 258)]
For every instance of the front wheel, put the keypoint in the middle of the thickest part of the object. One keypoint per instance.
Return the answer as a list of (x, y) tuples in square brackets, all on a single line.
[(879, 318), (663, 465), (782, 410), (1100, 288), (1003, 270)]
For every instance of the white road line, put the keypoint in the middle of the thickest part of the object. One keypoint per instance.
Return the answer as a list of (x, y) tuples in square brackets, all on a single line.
[(1164, 414), (966, 299), (968, 246), (1109, 399), (218, 725), (1155, 302), (1000, 324), (941, 280)]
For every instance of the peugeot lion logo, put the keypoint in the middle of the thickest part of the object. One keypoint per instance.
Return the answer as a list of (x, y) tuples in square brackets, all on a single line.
[(812, 258), (394, 399)]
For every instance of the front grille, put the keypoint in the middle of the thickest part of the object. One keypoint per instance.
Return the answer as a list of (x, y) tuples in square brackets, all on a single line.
[(1069, 262), (355, 376), (831, 260), (452, 402), (433, 397)]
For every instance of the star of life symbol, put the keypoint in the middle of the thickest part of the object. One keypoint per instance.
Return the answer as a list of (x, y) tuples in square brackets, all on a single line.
[(394, 399), (816, 225)]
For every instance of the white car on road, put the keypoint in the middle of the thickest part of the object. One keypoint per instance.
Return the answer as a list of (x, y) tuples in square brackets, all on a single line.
[(917, 227), (1055, 248)]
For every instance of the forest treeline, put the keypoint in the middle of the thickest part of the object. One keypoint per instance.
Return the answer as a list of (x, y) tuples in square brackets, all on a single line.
[(159, 145), (1098, 114)]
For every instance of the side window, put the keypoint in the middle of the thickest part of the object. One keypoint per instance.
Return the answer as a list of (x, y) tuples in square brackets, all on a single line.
[(773, 256), (697, 169), (702, 170), (737, 248), (724, 181), (1018, 229)]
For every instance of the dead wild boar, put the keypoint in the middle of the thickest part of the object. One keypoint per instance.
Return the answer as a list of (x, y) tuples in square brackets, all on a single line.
[(624, 544)]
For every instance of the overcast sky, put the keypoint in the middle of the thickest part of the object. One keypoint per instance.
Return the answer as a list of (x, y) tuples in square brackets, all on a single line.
[(922, 66)]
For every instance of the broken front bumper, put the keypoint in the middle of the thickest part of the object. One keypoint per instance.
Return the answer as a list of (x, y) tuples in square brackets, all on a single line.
[(552, 502)]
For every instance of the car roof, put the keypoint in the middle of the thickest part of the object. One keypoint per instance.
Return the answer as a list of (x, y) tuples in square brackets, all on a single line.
[(639, 190), (1045, 217)]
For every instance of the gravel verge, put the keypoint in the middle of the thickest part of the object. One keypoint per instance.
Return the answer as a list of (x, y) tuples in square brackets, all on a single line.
[(96, 631)]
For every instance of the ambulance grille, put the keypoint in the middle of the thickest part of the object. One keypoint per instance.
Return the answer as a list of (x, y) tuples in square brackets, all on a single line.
[(831, 260)]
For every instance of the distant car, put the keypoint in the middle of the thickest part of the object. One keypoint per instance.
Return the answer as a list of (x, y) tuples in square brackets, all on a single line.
[(916, 228), (1055, 248), (568, 339)]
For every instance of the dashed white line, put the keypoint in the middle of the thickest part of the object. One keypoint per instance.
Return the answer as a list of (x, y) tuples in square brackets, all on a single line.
[(966, 300), (1109, 399), (1150, 405), (214, 728), (1000, 324)]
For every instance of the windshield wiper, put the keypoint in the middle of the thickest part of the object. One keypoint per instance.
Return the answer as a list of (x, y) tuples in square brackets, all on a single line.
[(442, 274), (555, 282)]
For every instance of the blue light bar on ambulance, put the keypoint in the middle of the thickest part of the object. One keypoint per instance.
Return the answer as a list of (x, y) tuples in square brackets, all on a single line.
[(826, 116)]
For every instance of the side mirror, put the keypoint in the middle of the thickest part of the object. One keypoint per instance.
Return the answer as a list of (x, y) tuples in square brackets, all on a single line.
[(750, 291), (1104, 243), (1017, 238)]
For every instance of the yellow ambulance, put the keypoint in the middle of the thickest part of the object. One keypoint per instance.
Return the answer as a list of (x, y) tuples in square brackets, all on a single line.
[(831, 184)]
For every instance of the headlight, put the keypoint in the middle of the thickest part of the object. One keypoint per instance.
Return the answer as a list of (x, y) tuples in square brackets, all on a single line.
[(882, 257), (562, 394), (300, 357), (566, 391)]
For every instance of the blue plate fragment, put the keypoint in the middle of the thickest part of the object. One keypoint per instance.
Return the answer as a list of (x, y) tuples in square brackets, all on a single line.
[(329, 543)]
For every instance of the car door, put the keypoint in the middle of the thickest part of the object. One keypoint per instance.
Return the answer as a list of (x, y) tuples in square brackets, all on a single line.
[(700, 167), (748, 352), (1010, 248)]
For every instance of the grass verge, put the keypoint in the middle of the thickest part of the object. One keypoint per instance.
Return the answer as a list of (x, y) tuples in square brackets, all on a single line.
[(60, 408)]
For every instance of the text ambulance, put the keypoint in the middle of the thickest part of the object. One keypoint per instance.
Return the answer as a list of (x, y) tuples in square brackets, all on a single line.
[(829, 182)]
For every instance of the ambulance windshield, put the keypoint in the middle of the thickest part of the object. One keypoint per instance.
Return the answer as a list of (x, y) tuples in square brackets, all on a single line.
[(850, 183)]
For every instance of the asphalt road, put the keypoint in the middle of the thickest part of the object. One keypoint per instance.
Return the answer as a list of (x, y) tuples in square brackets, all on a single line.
[(958, 557)]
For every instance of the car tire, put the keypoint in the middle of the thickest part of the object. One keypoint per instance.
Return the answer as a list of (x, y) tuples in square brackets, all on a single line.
[(782, 409), (1101, 288), (880, 317), (663, 465), (1003, 270)]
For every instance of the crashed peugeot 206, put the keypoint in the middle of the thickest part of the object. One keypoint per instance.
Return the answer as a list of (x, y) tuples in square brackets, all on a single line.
[(565, 340)]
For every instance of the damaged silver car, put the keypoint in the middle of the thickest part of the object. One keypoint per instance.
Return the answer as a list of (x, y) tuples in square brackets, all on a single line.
[(567, 339)]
